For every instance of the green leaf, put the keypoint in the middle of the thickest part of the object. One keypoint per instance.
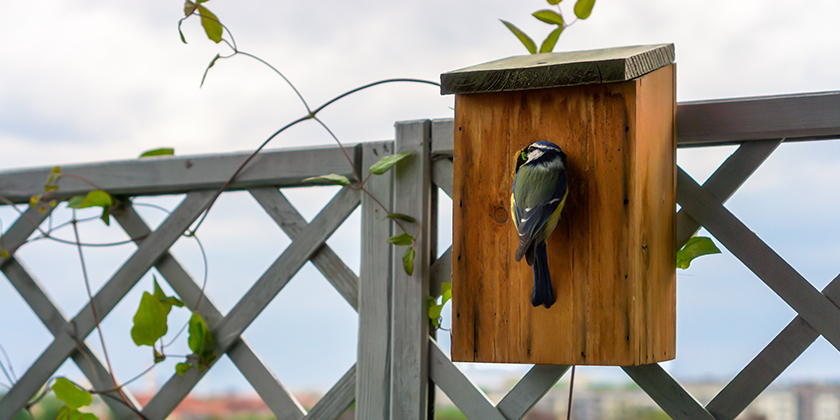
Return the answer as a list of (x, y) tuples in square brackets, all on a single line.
[(695, 247), (182, 368), (52, 179), (70, 394), (548, 45), (106, 216), (401, 216), (212, 25), (446, 292), (549, 16), (583, 8), (331, 178), (168, 301), (158, 356), (212, 62), (523, 38), (408, 261), (434, 311), (95, 198), (387, 162), (163, 151), (181, 33), (554, 2), (4, 254), (198, 333), (189, 8), (149, 321), (401, 239)]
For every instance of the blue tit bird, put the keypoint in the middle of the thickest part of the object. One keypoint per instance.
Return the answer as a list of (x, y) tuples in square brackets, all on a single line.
[(539, 194)]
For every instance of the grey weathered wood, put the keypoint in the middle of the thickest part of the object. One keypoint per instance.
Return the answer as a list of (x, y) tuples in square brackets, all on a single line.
[(278, 399), (442, 174), (88, 362), (726, 180), (530, 390), (108, 296), (443, 137), (174, 175), (441, 272), (410, 322), (337, 399), (815, 308), (539, 71), (230, 328), (667, 392), (459, 388), (373, 370), (805, 116), (19, 232), (325, 259), (789, 344), (47, 311)]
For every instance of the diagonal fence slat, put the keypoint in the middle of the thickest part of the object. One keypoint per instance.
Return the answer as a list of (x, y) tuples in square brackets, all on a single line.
[(667, 392), (727, 179), (337, 399), (19, 231), (441, 272), (325, 259), (88, 362), (442, 172), (259, 295), (55, 321), (788, 345), (530, 390), (105, 300), (815, 308), (458, 387), (278, 399)]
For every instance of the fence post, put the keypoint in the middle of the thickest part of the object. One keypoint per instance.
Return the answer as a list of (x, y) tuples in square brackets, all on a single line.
[(410, 322), (373, 370)]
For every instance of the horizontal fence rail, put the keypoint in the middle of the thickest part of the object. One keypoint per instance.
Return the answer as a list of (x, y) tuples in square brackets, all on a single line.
[(398, 360)]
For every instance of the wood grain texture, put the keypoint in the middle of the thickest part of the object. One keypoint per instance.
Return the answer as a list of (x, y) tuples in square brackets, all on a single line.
[(549, 70), (410, 321), (373, 369), (612, 254)]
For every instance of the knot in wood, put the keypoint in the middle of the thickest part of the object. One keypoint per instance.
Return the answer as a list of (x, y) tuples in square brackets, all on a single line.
[(500, 214)]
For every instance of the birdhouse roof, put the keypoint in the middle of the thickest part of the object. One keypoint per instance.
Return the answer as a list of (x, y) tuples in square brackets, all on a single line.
[(548, 70)]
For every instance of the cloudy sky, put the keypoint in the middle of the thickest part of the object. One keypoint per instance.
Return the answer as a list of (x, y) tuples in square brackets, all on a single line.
[(101, 80)]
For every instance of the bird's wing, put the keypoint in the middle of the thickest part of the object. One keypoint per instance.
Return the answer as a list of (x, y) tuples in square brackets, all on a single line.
[(531, 210)]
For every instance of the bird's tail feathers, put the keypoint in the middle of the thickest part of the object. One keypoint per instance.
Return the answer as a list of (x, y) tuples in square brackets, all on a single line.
[(543, 290)]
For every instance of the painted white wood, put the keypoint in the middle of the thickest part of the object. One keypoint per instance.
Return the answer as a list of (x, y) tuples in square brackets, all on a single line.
[(466, 395), (441, 272), (325, 259), (410, 323), (373, 373), (155, 245), (278, 399)]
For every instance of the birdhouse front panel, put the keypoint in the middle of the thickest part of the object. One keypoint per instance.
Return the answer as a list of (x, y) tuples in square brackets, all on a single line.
[(612, 255)]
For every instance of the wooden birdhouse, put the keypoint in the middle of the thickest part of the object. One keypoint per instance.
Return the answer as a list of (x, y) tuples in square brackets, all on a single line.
[(612, 255)]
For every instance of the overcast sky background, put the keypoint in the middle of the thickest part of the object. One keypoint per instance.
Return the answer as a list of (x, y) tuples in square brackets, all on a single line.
[(95, 80)]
